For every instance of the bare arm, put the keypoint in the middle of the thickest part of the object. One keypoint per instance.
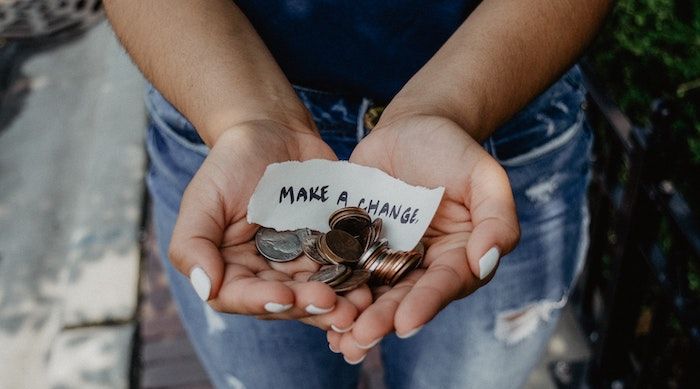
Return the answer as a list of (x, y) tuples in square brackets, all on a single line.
[(506, 53), (501, 57), (207, 59)]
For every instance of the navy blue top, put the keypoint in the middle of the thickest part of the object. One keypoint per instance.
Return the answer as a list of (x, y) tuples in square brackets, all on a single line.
[(359, 47)]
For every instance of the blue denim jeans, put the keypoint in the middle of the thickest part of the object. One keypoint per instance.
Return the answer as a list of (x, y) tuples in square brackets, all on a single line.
[(491, 339)]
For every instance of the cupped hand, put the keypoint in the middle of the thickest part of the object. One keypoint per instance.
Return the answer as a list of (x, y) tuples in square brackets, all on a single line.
[(213, 244), (474, 225)]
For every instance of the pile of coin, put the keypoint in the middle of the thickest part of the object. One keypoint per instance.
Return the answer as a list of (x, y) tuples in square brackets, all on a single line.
[(350, 254)]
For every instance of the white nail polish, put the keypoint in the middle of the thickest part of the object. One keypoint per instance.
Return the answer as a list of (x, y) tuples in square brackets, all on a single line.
[(200, 282), (330, 346), (341, 330), (314, 310), (369, 346), (409, 333), (277, 308), (488, 262), (354, 362)]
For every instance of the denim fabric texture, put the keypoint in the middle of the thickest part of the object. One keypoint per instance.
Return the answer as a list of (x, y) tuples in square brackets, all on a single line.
[(492, 338)]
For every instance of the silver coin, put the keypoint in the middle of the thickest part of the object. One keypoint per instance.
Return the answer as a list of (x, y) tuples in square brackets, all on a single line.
[(303, 233), (331, 274), (370, 251), (278, 246)]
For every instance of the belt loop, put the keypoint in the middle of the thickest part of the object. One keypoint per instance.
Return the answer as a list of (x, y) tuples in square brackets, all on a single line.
[(364, 106)]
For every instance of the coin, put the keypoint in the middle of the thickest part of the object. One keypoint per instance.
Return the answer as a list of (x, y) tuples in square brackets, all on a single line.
[(375, 261), (310, 247), (357, 278), (370, 252), (325, 252), (331, 274), (386, 259), (351, 253), (277, 246), (408, 264), (352, 220), (340, 246), (302, 233), (371, 233), (342, 213)]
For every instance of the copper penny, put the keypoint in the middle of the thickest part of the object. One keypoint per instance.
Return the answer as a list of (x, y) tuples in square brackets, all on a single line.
[(352, 220), (310, 247), (364, 258), (342, 246)]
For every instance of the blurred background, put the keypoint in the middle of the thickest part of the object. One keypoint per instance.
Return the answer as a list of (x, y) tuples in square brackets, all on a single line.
[(84, 301)]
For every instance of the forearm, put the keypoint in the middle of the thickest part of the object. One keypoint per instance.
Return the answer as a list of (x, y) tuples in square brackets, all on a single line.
[(502, 56), (206, 59)]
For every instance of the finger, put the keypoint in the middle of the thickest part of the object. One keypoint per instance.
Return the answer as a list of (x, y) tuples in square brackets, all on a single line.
[(376, 321), (448, 278), (244, 292), (194, 248), (496, 230), (313, 298), (360, 297), (334, 340), (339, 320)]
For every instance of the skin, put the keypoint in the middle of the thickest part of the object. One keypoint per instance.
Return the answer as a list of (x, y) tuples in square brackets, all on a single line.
[(207, 60)]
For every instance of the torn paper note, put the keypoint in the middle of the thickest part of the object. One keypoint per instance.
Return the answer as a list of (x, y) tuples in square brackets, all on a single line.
[(293, 195)]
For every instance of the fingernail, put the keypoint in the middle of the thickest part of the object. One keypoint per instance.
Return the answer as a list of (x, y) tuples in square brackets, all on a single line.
[(330, 346), (488, 262), (277, 308), (354, 362), (341, 330), (314, 310), (200, 282), (369, 346), (409, 333)]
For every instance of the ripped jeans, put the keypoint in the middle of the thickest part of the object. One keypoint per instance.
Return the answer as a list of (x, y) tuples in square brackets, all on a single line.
[(492, 338)]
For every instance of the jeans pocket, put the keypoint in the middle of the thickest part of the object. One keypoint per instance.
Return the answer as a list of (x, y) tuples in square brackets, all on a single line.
[(175, 151), (171, 124), (549, 120), (519, 151)]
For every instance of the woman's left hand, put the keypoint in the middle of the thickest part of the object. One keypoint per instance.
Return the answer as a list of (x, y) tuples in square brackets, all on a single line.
[(474, 225)]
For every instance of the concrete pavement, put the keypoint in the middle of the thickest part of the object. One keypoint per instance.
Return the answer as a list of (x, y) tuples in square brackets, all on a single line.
[(71, 193)]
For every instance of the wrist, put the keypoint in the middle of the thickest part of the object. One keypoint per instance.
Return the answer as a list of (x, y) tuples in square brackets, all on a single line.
[(267, 133), (294, 124), (404, 107)]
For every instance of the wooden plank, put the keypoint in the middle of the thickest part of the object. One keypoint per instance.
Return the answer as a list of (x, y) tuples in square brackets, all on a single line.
[(181, 372), (162, 352), (160, 328)]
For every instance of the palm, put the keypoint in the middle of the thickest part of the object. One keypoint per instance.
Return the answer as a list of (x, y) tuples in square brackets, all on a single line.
[(477, 212)]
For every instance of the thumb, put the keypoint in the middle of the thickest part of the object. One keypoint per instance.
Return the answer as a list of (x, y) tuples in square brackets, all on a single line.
[(194, 248), (496, 229)]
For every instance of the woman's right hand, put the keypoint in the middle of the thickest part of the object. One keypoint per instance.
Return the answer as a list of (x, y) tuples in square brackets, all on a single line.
[(213, 244)]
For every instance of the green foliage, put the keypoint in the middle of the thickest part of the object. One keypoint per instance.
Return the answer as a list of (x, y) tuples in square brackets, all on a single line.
[(650, 49)]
